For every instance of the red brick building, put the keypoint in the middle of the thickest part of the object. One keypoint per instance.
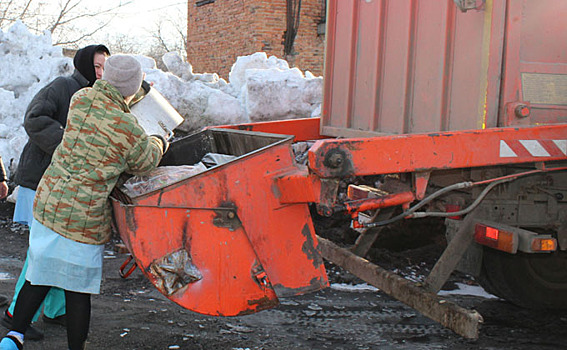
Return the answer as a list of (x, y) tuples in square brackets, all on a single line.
[(218, 31)]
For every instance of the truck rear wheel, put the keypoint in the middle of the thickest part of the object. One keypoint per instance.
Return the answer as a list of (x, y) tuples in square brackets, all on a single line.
[(536, 281)]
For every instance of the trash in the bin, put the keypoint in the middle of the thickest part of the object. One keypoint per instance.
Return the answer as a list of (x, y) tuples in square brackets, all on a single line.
[(212, 159), (164, 176), (158, 178)]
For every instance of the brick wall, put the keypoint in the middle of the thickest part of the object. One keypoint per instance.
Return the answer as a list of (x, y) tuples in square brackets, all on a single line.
[(222, 30)]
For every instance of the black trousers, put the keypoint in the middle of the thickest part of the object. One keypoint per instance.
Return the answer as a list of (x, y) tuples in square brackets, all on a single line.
[(78, 310)]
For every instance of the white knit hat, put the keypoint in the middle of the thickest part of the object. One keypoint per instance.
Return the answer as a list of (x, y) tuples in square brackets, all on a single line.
[(124, 72)]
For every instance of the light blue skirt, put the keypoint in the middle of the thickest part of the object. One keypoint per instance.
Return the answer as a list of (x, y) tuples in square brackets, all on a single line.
[(56, 261), (23, 213)]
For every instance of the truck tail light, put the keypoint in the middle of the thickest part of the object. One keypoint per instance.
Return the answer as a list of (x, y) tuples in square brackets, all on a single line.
[(496, 238), (544, 244), (511, 239)]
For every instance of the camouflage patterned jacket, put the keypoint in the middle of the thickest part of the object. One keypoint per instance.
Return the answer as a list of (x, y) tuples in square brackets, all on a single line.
[(101, 141)]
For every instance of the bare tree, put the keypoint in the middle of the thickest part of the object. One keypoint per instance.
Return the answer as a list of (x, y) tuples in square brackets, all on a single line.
[(11, 11), (168, 34), (74, 22), (123, 43), (59, 19)]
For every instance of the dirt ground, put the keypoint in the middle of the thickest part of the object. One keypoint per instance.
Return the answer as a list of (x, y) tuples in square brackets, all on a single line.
[(131, 314)]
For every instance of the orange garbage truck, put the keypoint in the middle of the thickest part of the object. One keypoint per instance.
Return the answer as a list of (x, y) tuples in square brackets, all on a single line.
[(457, 107)]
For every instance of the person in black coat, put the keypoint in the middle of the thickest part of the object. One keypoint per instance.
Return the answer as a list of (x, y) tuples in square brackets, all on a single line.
[(46, 114), (44, 123)]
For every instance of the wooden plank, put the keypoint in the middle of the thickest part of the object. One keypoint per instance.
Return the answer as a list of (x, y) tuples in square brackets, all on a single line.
[(451, 256), (368, 236), (462, 321)]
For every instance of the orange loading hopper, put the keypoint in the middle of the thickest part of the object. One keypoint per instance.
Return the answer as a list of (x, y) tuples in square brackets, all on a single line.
[(219, 242)]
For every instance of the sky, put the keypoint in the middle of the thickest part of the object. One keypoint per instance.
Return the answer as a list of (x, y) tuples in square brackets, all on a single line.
[(136, 19), (131, 21), (138, 15)]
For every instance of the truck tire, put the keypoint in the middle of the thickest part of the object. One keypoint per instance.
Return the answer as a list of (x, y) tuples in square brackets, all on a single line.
[(534, 281)]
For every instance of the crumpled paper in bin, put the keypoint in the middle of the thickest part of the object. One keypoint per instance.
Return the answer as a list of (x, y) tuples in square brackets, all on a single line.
[(160, 177)]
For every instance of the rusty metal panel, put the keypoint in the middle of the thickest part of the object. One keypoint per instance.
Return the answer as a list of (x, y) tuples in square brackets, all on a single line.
[(220, 242), (535, 73), (409, 66)]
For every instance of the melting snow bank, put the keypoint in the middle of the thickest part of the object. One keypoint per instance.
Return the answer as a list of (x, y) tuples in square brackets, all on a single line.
[(259, 88)]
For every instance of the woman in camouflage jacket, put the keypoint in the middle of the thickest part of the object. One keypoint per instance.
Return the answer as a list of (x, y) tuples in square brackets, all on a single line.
[(72, 212)]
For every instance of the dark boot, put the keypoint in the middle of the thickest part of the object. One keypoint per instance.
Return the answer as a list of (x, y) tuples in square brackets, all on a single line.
[(59, 320)]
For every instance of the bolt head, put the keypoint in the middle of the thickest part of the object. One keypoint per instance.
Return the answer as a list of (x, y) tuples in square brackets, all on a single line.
[(522, 111)]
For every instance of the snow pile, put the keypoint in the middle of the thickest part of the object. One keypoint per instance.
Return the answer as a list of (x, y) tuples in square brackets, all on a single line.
[(27, 63), (260, 88)]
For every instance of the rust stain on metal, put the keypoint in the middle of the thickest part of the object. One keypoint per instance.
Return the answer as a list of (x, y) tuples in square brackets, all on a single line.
[(353, 145), (226, 217), (130, 217), (316, 283), (260, 304), (338, 161), (174, 271), (309, 247), (187, 238)]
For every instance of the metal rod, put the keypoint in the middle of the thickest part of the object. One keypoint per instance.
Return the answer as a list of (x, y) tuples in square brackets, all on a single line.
[(410, 213), (388, 200)]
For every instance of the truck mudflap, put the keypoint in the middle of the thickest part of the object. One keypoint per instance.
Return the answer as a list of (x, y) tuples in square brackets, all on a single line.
[(219, 242)]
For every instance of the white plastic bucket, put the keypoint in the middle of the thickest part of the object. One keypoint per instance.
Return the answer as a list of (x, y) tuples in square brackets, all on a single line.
[(156, 115)]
